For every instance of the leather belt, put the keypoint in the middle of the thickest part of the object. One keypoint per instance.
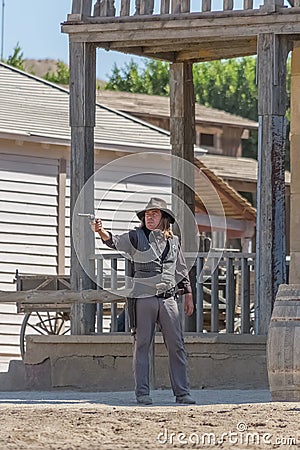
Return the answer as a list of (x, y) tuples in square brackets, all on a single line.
[(166, 294)]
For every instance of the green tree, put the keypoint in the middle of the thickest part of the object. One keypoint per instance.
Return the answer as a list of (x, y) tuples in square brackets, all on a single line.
[(156, 78), (61, 76), (152, 79), (16, 59), (228, 85)]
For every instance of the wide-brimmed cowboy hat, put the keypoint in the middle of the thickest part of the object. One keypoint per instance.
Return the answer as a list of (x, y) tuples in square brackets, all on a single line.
[(156, 203)]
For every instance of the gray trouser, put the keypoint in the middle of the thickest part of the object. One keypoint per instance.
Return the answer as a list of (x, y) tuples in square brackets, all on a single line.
[(150, 311)]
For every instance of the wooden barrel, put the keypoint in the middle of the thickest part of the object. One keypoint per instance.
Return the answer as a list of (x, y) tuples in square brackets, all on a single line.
[(283, 345)]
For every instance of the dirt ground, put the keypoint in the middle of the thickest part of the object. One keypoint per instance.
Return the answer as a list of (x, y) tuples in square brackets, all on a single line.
[(98, 426)]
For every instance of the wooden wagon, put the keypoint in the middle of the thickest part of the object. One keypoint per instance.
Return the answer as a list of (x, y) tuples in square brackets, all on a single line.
[(223, 300), (50, 314), (43, 318)]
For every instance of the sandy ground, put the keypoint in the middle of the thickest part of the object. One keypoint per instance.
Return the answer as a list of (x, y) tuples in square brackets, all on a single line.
[(87, 421)]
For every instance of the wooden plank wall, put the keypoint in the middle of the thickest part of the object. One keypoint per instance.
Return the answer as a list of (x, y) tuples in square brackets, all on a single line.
[(28, 233), (29, 208), (117, 197)]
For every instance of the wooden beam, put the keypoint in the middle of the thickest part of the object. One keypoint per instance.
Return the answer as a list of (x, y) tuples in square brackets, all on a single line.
[(155, 30), (270, 237), (160, 54), (64, 296), (182, 135), (184, 44), (245, 227), (202, 51), (241, 185), (215, 53), (61, 240), (295, 168), (82, 120)]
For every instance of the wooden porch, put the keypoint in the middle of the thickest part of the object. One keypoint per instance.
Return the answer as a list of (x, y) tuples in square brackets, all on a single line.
[(171, 31)]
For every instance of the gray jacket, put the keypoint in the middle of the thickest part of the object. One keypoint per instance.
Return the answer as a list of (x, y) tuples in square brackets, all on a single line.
[(157, 261)]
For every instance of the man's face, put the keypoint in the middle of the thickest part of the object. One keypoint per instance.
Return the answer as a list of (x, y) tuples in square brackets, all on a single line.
[(152, 218)]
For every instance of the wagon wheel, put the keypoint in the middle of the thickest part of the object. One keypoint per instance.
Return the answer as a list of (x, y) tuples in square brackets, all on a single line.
[(43, 323), (238, 324)]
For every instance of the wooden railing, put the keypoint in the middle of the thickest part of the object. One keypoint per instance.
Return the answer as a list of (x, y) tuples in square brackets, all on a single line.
[(224, 291), (126, 8)]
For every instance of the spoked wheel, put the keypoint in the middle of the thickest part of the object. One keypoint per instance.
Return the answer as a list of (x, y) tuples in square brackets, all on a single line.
[(44, 323), (238, 325)]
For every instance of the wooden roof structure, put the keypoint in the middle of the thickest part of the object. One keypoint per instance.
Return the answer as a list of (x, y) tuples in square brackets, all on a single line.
[(205, 34), (174, 32), (240, 215), (235, 206), (240, 173)]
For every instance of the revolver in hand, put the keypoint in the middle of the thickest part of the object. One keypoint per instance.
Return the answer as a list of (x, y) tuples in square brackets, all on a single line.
[(89, 216)]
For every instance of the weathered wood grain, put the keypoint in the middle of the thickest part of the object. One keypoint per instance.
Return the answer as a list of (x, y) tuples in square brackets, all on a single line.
[(125, 8), (61, 240), (64, 296), (185, 6), (96, 10), (294, 274), (82, 7), (248, 4), (107, 8), (272, 5), (182, 129), (136, 36), (82, 119), (165, 6), (146, 7), (283, 347), (206, 5), (227, 5), (270, 237), (176, 7)]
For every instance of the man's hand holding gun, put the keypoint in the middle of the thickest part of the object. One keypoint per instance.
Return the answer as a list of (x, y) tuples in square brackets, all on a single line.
[(96, 226)]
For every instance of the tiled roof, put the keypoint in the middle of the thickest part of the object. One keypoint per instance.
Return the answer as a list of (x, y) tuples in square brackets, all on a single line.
[(34, 107), (237, 169), (235, 206), (159, 106)]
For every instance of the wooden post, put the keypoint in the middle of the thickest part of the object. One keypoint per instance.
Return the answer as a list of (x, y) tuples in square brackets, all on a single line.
[(61, 246), (82, 120), (295, 168), (182, 129), (272, 5), (270, 238), (82, 7)]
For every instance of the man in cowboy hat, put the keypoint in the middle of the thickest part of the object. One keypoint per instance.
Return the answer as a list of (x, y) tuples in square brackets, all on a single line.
[(159, 271)]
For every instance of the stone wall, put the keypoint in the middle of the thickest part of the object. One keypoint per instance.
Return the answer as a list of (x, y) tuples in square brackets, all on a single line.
[(104, 362)]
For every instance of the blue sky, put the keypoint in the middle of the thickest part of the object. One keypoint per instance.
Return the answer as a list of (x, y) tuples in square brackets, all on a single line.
[(35, 24)]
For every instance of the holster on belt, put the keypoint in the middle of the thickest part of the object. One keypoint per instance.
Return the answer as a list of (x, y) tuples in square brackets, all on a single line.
[(131, 310)]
